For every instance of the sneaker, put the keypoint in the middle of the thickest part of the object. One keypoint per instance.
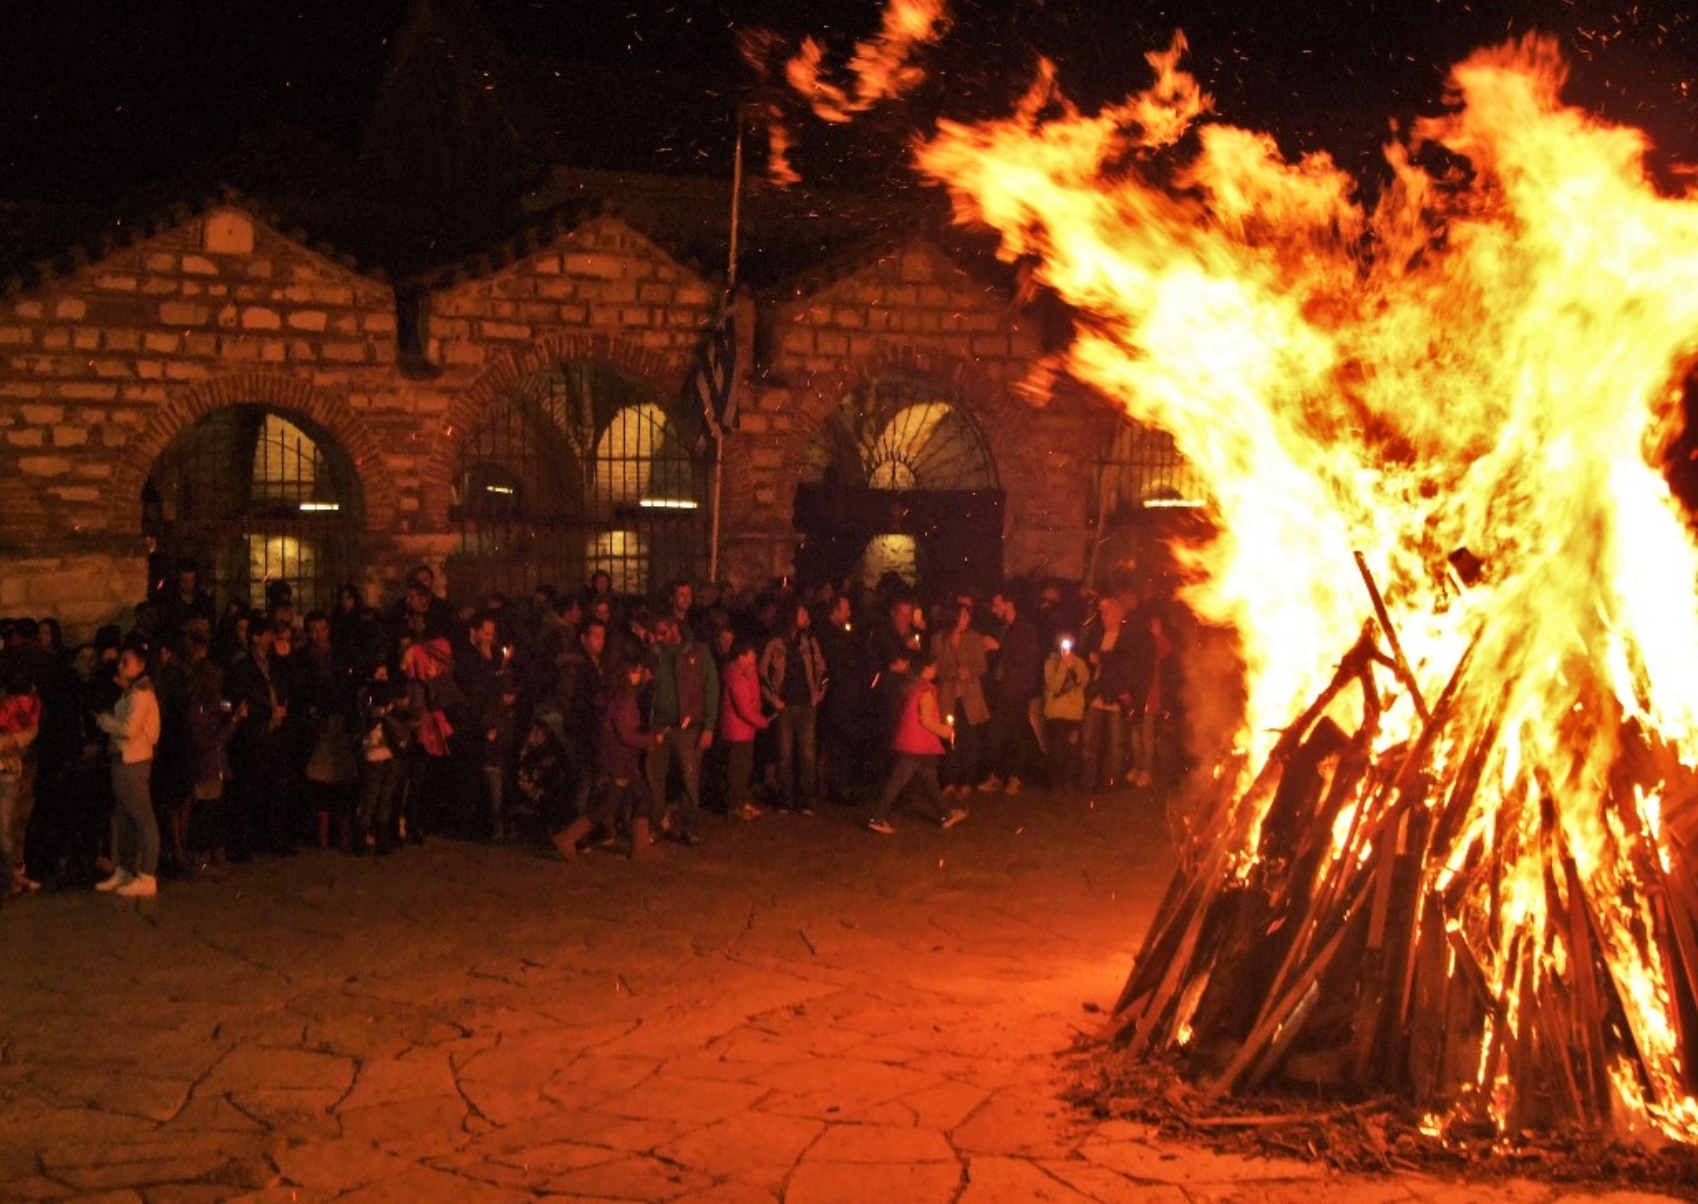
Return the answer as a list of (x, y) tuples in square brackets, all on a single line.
[(954, 817), (882, 826), (23, 884), (142, 886), (119, 878), (990, 785), (748, 811), (1013, 786)]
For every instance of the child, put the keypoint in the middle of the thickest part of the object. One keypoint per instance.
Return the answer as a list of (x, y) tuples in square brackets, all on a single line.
[(916, 747), (740, 721), (133, 727), (387, 733), (621, 788)]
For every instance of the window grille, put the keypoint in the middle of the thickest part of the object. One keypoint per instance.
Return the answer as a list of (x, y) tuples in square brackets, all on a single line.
[(578, 468), (900, 435), (255, 495), (1142, 470)]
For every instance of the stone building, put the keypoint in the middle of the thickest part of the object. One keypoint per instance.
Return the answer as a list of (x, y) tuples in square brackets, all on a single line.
[(211, 381)]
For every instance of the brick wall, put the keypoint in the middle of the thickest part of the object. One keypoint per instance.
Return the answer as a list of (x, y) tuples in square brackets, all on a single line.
[(101, 367), (909, 312)]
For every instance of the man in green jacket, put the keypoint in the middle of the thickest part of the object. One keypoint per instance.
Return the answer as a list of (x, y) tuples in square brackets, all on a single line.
[(682, 716)]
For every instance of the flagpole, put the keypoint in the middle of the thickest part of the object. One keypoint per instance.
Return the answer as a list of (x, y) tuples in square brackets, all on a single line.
[(725, 303)]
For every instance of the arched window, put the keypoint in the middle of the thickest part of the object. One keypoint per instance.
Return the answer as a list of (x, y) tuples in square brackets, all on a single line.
[(1143, 485), (1142, 470), (578, 467), (256, 495), (898, 434)]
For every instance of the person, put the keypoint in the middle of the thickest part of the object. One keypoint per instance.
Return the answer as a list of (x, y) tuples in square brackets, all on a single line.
[(959, 649), (793, 683), (1103, 738), (578, 689), (326, 699), (1153, 691), (621, 743), (186, 604), (1016, 699), (210, 725), (133, 727), (427, 664), (20, 723), (918, 743), (683, 715), (740, 721), (843, 714), (258, 750), (386, 733), (1066, 675), (484, 673)]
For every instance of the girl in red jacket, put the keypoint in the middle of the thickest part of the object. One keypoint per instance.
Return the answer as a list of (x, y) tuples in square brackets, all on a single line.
[(740, 721)]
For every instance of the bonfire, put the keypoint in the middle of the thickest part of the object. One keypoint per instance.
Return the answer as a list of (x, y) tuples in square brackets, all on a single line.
[(1447, 855)]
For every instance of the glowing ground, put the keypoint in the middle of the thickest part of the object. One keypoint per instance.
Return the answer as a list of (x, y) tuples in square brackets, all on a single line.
[(796, 1012)]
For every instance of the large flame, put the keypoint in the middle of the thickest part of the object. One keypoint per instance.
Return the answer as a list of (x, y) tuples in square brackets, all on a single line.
[(1487, 359)]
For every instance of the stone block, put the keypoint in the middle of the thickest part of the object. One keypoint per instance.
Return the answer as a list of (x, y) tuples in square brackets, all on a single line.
[(157, 340), (44, 466), (183, 313), (85, 339), (256, 317), (307, 319), (504, 330), (199, 265), (594, 266), (42, 415), (228, 232), (88, 391), (79, 494), (116, 282), (70, 309), (70, 436), (347, 353), (28, 437)]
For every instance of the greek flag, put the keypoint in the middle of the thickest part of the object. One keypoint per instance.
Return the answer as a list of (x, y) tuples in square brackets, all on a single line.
[(714, 380)]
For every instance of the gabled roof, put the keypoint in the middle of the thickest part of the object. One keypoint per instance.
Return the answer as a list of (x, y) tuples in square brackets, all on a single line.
[(40, 243)]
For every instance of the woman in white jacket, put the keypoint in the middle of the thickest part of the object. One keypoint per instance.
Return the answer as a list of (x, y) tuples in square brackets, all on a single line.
[(133, 726)]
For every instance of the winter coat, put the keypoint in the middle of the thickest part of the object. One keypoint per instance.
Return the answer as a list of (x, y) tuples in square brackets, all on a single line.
[(740, 717)]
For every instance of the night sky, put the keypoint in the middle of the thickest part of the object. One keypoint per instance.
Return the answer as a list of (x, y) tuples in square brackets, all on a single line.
[(106, 96)]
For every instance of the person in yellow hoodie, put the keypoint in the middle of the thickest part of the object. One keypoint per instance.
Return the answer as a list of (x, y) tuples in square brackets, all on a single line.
[(1065, 677), (133, 728)]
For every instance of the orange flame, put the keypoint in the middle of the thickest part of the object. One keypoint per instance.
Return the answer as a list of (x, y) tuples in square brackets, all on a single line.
[(880, 68), (1486, 360)]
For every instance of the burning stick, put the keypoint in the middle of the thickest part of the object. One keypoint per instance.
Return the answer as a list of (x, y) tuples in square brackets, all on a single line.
[(1403, 670)]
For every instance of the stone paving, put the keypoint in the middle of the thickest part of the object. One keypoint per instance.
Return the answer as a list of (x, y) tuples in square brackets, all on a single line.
[(798, 1011)]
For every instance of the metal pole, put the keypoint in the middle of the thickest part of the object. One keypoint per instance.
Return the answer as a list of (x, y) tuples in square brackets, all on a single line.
[(725, 304)]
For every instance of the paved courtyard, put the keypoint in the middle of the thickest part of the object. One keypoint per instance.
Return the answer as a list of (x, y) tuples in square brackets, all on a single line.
[(798, 1012)]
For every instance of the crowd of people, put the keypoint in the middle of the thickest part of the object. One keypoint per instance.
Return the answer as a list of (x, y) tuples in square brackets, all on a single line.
[(203, 737)]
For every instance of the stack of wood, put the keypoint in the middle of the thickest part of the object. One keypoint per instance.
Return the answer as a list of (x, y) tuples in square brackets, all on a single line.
[(1341, 922)]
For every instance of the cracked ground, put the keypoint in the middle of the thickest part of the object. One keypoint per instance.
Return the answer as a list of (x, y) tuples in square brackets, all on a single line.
[(798, 1011)]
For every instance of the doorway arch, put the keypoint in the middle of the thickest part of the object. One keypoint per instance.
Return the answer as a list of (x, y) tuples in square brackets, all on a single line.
[(899, 479)]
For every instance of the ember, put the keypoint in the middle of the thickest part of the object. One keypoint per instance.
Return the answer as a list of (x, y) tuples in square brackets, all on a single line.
[(1446, 855)]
